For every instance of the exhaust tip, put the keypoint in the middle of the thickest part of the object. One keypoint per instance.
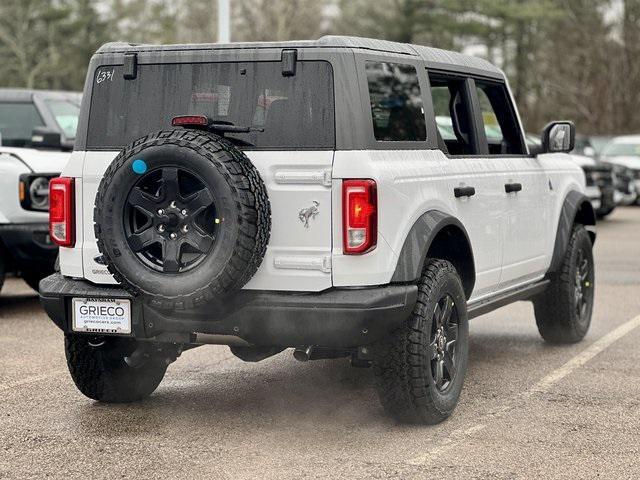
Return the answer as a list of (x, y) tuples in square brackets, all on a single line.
[(303, 355)]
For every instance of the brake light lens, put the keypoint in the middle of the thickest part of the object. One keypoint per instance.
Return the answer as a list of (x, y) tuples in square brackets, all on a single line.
[(61, 217), (190, 121), (359, 216)]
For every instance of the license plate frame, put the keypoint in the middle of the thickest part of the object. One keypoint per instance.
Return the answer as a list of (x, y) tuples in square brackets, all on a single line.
[(110, 316)]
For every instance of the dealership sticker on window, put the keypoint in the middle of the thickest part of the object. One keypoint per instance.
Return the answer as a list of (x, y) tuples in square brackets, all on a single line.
[(104, 75), (102, 315)]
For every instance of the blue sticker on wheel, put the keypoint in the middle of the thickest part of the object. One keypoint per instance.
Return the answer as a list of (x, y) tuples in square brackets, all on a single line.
[(139, 166)]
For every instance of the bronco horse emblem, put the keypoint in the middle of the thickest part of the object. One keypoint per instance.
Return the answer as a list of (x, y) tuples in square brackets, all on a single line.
[(307, 214)]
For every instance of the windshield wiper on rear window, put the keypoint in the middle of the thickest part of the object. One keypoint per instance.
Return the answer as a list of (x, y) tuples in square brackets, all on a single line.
[(224, 126), (205, 123)]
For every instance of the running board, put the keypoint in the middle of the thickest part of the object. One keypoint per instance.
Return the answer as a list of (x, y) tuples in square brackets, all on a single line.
[(500, 300)]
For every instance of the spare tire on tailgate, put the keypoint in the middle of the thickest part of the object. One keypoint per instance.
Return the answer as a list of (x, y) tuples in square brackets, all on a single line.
[(182, 217)]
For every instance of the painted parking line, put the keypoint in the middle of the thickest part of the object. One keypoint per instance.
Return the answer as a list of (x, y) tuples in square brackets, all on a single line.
[(583, 357), (541, 386)]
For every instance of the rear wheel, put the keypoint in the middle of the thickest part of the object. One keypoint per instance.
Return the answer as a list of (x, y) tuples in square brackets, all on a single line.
[(563, 313), (420, 368), (100, 368)]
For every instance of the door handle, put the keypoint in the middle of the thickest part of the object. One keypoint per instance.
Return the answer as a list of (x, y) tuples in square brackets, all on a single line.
[(512, 187), (464, 192)]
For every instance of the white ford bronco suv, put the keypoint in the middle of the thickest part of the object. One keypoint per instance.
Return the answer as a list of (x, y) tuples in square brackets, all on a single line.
[(37, 131), (300, 194)]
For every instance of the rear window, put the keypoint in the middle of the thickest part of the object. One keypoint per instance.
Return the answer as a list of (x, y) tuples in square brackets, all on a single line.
[(17, 121), (283, 112)]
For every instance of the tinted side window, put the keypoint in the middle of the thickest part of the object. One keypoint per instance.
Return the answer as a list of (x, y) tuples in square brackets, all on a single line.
[(396, 102), (500, 124), (453, 114), (17, 121)]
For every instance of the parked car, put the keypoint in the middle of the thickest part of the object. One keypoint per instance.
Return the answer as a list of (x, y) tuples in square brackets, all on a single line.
[(601, 182), (584, 146), (624, 151), (598, 142), (624, 181), (339, 221), (37, 130), (599, 177)]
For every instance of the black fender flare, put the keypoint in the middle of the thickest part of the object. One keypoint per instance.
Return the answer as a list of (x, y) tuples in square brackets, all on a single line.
[(418, 242), (576, 206)]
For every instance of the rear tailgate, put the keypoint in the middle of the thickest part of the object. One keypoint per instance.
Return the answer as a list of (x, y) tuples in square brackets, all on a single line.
[(298, 256)]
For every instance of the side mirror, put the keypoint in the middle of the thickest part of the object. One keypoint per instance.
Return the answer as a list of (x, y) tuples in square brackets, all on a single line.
[(559, 137), (43, 137)]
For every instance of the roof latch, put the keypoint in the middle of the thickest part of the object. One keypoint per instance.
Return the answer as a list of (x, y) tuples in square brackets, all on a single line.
[(130, 66), (288, 59)]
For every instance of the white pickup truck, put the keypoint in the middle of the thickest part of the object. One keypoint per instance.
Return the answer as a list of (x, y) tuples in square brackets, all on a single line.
[(302, 194), (37, 130)]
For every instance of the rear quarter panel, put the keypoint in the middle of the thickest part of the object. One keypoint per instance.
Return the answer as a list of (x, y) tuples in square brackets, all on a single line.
[(409, 184)]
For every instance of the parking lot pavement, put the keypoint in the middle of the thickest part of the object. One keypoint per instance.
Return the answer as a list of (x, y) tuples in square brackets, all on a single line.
[(528, 409)]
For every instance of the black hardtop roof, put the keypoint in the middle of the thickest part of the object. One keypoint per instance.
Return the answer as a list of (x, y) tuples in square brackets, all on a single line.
[(430, 55)]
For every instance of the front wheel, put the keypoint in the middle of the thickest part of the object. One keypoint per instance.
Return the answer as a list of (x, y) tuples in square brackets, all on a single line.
[(101, 369), (563, 312), (420, 368)]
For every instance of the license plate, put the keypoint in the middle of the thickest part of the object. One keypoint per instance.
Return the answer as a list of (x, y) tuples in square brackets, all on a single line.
[(102, 315)]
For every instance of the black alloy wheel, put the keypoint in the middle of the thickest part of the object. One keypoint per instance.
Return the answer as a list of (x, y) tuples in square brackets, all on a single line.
[(443, 344), (170, 220), (582, 285)]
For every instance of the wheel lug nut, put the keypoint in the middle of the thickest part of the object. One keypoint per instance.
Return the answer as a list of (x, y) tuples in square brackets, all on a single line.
[(173, 204), (183, 212), (173, 236), (185, 229), (160, 212), (161, 228)]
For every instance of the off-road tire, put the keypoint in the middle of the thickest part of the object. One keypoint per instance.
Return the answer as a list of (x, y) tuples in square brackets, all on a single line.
[(101, 373), (556, 309), (402, 364), (245, 236)]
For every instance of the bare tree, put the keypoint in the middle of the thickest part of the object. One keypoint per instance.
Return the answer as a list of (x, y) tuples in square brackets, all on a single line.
[(261, 20)]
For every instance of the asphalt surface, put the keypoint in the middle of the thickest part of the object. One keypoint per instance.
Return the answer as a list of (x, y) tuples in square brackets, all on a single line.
[(528, 410)]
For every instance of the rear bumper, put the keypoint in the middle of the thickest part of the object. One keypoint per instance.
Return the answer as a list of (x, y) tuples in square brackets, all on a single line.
[(338, 318), (29, 245)]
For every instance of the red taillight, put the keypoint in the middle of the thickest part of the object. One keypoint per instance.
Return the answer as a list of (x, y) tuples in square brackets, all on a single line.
[(61, 218), (359, 216), (190, 120)]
